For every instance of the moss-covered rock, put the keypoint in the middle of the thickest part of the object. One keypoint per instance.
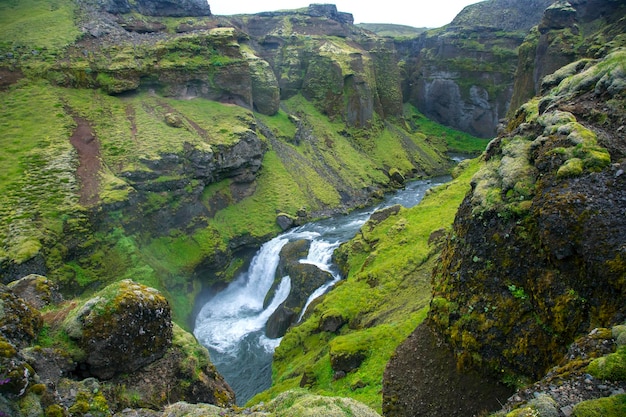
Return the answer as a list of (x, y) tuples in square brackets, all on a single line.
[(37, 290), (536, 198), (122, 328), (605, 407), (184, 373), (20, 323)]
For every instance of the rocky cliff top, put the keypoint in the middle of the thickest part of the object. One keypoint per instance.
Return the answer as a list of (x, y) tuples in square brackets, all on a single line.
[(512, 15), (172, 8)]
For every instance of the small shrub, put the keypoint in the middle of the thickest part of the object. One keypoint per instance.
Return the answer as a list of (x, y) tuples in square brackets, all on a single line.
[(518, 292)]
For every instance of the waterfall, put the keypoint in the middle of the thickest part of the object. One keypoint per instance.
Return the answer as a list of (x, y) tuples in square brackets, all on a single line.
[(231, 324)]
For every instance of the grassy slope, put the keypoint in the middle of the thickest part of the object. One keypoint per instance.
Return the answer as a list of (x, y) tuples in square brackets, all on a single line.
[(384, 297), (37, 24), (39, 192)]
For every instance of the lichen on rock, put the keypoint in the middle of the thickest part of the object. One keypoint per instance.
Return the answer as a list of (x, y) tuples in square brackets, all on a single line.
[(122, 328)]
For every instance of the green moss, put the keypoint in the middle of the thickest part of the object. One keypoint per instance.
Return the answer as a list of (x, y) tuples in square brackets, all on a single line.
[(196, 356), (37, 183), (602, 407), (455, 140), (7, 350), (571, 168), (54, 410), (611, 367)]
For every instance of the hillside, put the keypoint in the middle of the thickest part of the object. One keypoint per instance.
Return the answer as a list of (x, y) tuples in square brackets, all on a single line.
[(150, 147)]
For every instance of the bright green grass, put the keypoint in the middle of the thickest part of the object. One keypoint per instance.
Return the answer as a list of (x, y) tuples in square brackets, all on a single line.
[(279, 123), (384, 298), (456, 140), (36, 24), (256, 215), (37, 184), (223, 123)]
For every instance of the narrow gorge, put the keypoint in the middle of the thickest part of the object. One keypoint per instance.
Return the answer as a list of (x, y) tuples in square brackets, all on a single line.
[(174, 180)]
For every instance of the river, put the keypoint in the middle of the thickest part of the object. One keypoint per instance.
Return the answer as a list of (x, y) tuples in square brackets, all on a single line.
[(231, 324)]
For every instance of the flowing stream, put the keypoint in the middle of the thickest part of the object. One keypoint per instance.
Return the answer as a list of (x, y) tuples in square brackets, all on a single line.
[(231, 324)]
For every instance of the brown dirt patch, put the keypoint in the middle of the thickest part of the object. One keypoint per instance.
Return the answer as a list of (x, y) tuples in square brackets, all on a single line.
[(422, 379), (87, 145), (130, 115), (8, 77)]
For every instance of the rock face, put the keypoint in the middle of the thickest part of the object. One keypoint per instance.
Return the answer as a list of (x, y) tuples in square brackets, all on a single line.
[(193, 381), (462, 75), (552, 193), (552, 45), (170, 8), (125, 327), (422, 380)]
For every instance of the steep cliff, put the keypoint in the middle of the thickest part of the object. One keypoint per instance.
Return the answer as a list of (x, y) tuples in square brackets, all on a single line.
[(462, 75), (535, 257), (568, 31)]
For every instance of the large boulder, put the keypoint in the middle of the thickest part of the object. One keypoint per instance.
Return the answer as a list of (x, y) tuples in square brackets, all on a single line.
[(36, 290), (538, 251), (305, 279), (122, 328), (185, 373), (20, 323)]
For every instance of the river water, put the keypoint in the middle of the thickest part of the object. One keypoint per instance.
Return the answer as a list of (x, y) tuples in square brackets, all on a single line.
[(231, 324)]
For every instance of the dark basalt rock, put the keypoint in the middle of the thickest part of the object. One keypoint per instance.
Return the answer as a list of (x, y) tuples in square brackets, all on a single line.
[(559, 15), (422, 380), (124, 327), (305, 279), (174, 8)]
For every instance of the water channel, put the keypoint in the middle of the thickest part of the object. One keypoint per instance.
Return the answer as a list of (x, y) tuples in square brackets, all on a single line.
[(231, 324)]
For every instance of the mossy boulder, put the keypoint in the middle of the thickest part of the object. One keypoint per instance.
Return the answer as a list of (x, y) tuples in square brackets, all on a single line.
[(611, 367), (184, 373), (301, 403), (120, 329), (541, 196), (602, 407), (347, 353), (36, 290), (20, 323), (292, 403)]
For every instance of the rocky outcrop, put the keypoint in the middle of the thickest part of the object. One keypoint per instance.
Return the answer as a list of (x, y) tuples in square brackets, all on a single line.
[(170, 8), (37, 290), (350, 78), (121, 343), (422, 380), (558, 40), (124, 327), (551, 193), (20, 322), (305, 279), (462, 75), (508, 15)]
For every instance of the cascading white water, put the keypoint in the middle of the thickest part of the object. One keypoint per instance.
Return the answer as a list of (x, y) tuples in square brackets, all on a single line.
[(231, 324)]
